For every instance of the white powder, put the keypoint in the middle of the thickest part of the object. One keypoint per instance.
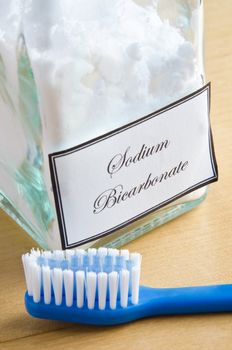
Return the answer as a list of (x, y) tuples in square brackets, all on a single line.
[(100, 64)]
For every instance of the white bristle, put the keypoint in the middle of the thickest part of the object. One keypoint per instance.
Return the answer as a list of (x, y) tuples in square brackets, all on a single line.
[(24, 258), (113, 289), (102, 251), (113, 252), (135, 277), (91, 253), (69, 253), (47, 287), (35, 252), (80, 285), (91, 286), (125, 253), (80, 253), (68, 286), (102, 289), (124, 287), (47, 254), (57, 282), (36, 281), (136, 259), (58, 254), (27, 260)]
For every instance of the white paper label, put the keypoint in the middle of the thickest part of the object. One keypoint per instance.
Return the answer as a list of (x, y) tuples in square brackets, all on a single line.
[(117, 178)]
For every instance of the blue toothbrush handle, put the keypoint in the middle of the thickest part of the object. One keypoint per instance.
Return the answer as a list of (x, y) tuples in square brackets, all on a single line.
[(152, 302), (186, 300)]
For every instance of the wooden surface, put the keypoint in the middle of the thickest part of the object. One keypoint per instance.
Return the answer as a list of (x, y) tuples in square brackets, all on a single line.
[(194, 249)]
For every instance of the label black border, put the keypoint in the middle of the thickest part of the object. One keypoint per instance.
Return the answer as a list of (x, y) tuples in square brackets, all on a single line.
[(55, 182)]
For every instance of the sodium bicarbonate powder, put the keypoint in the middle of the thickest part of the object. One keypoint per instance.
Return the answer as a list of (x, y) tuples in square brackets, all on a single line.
[(100, 64)]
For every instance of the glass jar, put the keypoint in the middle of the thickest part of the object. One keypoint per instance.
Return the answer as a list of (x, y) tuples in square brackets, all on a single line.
[(68, 72)]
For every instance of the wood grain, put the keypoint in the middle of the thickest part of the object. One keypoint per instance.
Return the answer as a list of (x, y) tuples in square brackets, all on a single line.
[(193, 249)]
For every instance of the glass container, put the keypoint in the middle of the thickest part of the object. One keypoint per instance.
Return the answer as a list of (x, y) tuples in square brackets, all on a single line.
[(76, 69)]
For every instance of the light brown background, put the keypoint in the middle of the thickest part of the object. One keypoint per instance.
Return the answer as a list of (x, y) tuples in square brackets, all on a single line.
[(194, 249)]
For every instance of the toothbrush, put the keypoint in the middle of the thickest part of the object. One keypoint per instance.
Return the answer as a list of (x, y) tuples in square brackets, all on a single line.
[(101, 287)]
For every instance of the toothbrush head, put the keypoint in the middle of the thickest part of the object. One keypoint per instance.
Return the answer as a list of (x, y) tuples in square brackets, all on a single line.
[(101, 287), (97, 286)]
